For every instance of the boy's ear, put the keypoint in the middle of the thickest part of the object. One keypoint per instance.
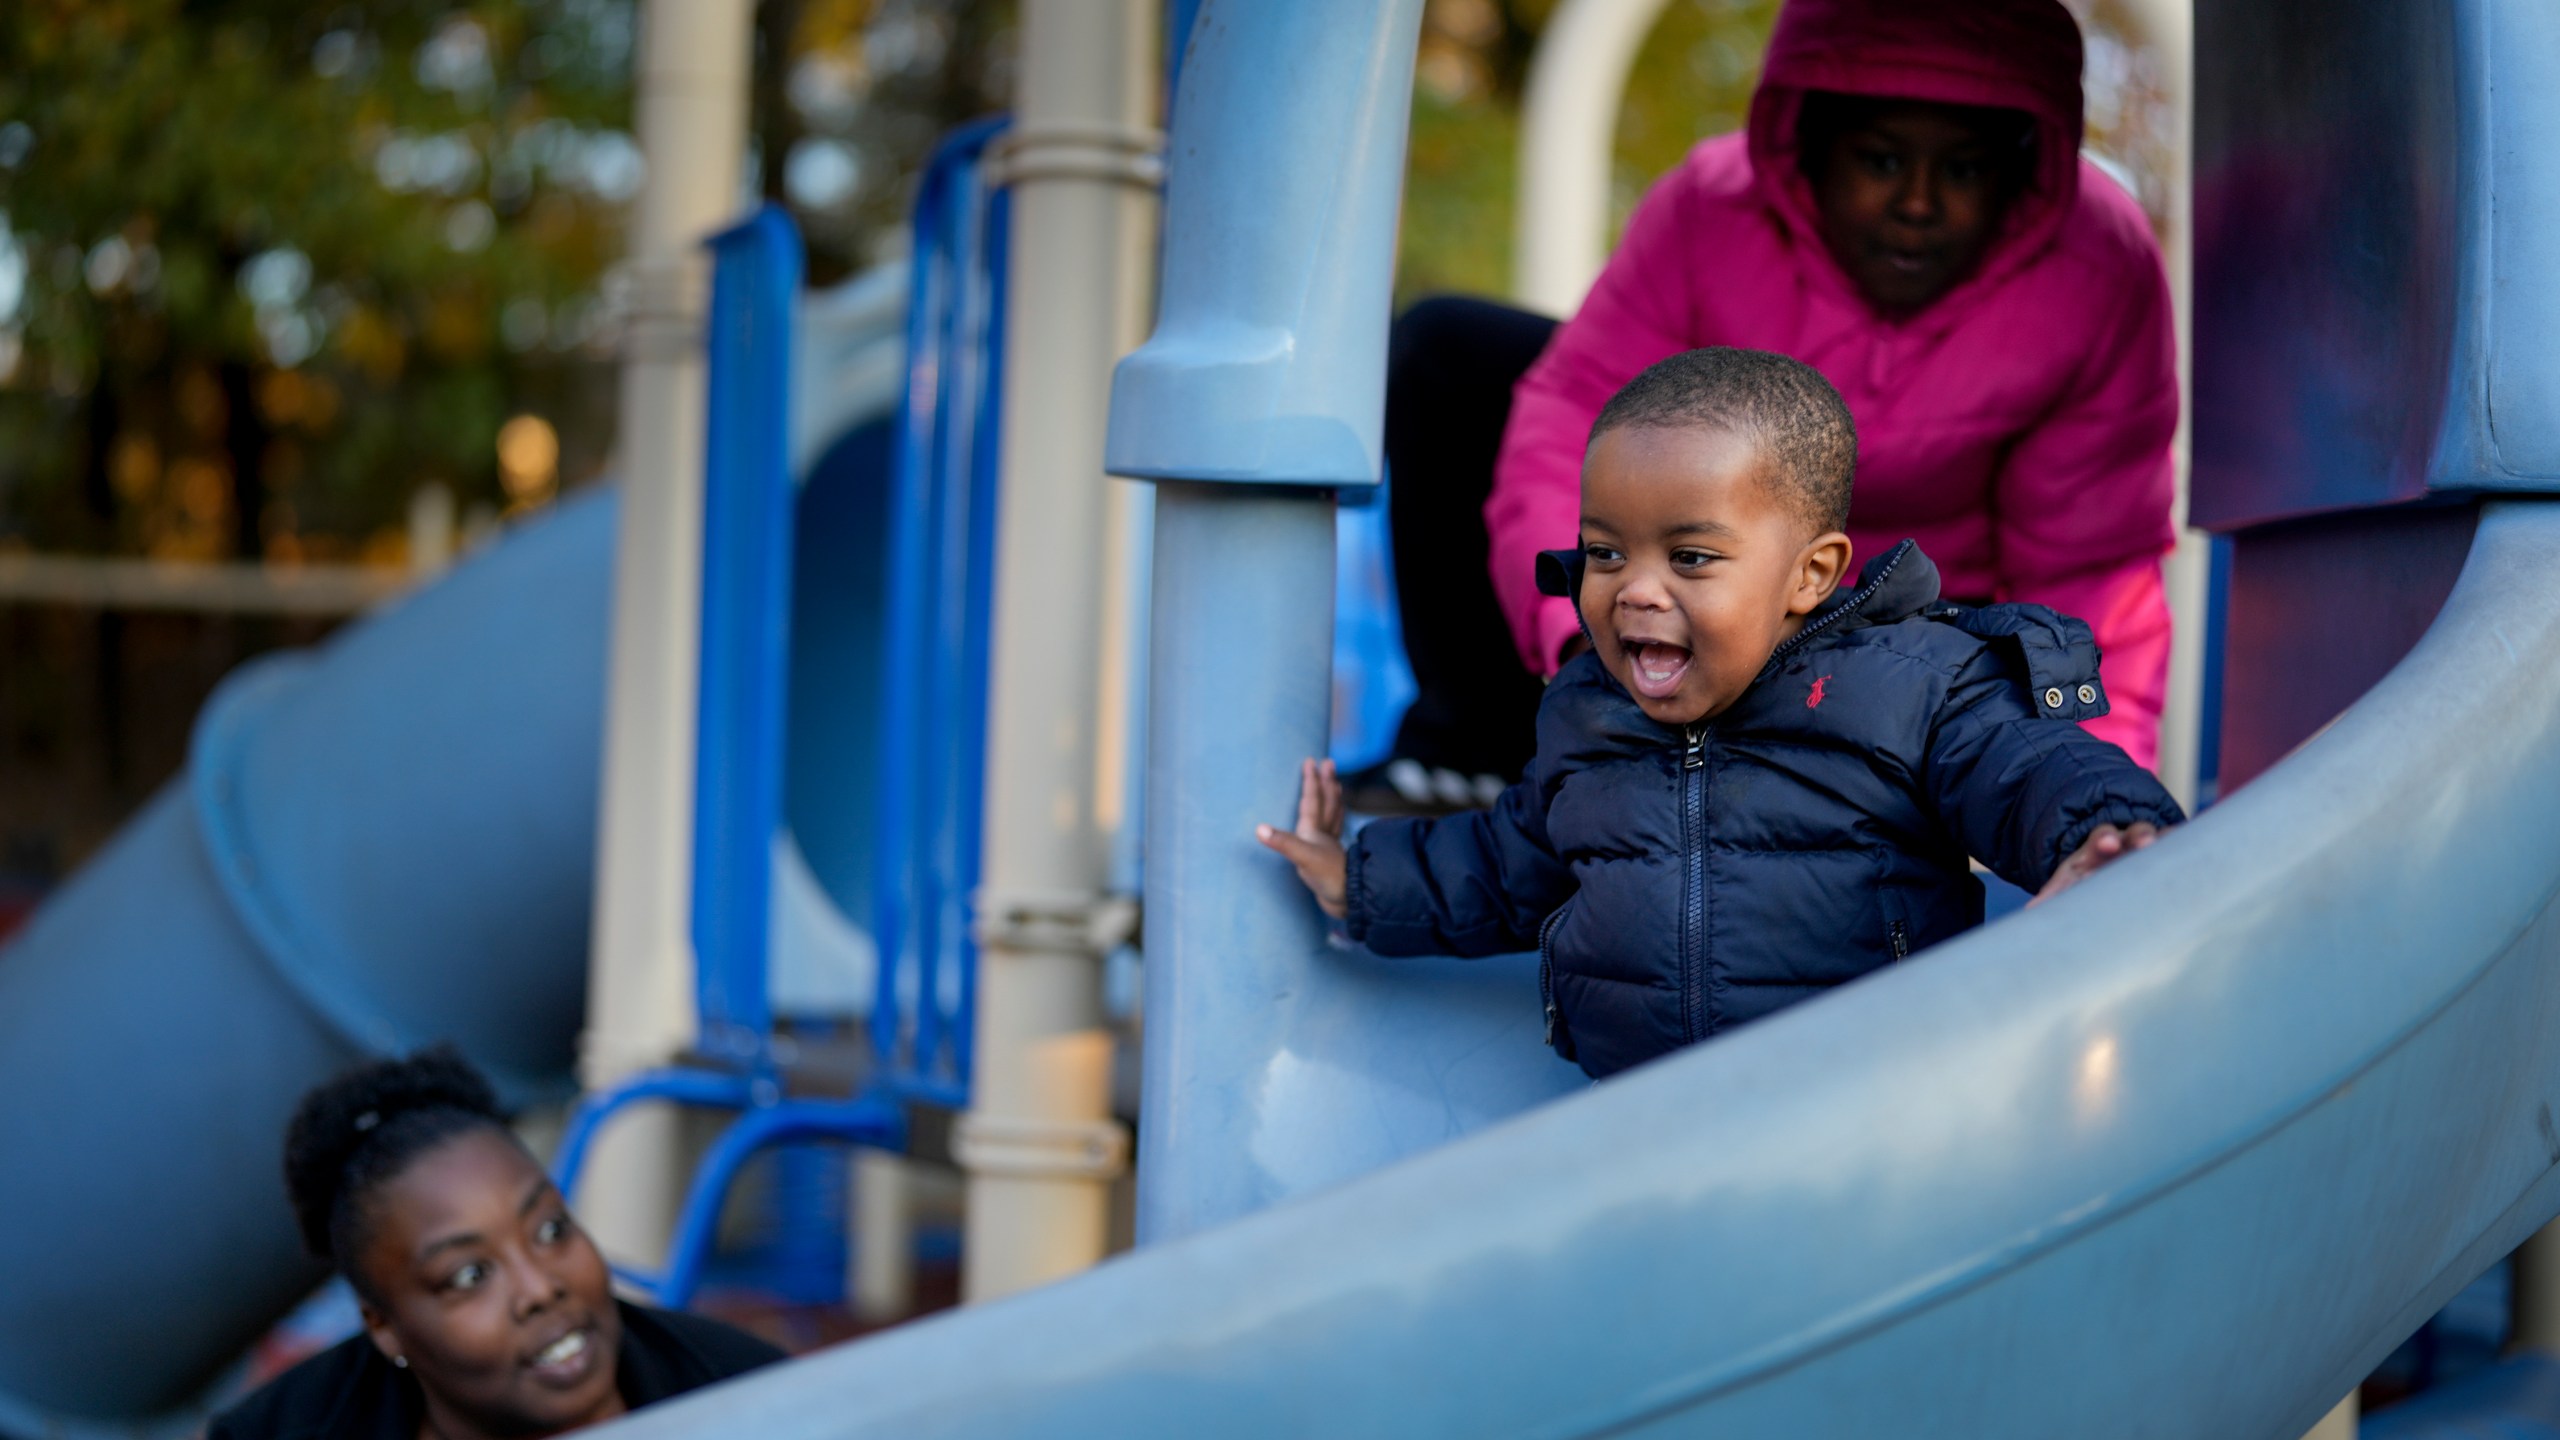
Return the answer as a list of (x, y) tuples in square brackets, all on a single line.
[(1819, 568)]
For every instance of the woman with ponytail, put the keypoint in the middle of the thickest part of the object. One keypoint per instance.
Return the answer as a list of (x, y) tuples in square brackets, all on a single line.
[(487, 1311)]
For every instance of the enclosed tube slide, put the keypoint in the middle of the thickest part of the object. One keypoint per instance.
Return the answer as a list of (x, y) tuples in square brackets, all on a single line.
[(377, 845), (2180, 1154)]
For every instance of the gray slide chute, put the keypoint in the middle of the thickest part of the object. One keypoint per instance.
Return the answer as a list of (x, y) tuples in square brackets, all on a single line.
[(377, 845)]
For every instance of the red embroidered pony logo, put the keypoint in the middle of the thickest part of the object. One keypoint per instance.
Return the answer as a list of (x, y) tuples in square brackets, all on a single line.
[(1814, 699)]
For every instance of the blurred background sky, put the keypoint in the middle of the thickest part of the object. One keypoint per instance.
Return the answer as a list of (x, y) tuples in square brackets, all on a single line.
[(276, 274)]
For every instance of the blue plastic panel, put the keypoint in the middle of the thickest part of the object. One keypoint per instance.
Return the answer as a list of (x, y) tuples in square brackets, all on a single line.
[(2374, 293), (2300, 646), (1276, 1063)]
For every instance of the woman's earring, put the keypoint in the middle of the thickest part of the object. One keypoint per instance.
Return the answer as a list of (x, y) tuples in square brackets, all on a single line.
[(400, 1360)]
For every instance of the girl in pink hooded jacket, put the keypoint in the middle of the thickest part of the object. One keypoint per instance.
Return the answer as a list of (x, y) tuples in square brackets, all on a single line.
[(2014, 388)]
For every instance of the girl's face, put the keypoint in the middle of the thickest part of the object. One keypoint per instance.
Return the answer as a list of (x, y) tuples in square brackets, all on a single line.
[(1911, 194), (479, 1279)]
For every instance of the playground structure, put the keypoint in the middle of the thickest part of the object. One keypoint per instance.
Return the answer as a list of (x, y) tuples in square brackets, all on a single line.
[(2182, 1154)]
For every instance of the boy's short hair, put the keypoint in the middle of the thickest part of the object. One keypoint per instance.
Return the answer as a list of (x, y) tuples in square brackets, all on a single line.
[(1783, 406)]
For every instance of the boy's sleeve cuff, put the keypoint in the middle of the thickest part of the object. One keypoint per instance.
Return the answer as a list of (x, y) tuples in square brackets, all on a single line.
[(1355, 893)]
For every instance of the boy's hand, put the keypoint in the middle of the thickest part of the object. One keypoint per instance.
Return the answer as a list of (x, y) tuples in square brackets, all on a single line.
[(1316, 848), (2106, 843)]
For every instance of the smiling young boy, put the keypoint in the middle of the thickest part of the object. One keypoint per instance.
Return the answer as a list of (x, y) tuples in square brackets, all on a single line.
[(1753, 785)]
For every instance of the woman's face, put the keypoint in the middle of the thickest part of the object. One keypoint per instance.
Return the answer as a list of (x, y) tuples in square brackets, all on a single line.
[(499, 1303), (1911, 194)]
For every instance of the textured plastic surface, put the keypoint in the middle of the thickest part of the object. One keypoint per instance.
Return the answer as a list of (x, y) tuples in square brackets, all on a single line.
[(2182, 1153), (1275, 1063), (382, 844), (1268, 361), (2374, 295)]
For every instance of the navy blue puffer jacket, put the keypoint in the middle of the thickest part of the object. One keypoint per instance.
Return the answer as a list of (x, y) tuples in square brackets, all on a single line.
[(1678, 883)]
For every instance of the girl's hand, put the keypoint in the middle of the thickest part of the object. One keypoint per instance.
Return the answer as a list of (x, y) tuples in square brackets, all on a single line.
[(2105, 844), (1316, 846)]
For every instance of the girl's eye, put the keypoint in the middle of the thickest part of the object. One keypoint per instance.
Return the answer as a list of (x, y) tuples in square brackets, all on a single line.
[(551, 1231), (468, 1277), (1690, 559), (1602, 553), (1882, 162)]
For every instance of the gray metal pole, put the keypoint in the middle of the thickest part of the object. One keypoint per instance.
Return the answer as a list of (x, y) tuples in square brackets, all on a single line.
[(1038, 1141)]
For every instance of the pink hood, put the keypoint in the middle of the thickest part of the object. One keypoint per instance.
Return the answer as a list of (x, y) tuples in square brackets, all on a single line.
[(2015, 54), (2018, 428)]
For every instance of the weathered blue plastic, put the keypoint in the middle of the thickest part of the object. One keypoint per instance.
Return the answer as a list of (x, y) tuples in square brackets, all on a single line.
[(2182, 1153), (1268, 361), (2374, 210), (1276, 1063), (377, 845)]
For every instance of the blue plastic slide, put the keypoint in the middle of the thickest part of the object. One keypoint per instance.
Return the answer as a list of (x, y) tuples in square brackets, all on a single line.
[(385, 842)]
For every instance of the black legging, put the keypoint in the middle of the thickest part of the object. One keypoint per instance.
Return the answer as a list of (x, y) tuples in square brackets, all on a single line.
[(1451, 363)]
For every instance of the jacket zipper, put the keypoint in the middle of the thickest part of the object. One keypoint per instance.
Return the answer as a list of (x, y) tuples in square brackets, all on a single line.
[(1693, 783), (1546, 976), (1901, 937)]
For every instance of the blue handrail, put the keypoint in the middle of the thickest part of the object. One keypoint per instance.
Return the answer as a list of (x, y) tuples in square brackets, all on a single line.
[(934, 686), (747, 513), (748, 506)]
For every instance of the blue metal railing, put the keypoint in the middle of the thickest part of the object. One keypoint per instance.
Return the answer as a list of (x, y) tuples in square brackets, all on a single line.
[(747, 503), (749, 500), (933, 693), (934, 683)]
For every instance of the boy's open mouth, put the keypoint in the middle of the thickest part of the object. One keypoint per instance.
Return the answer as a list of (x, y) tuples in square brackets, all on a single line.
[(1656, 668)]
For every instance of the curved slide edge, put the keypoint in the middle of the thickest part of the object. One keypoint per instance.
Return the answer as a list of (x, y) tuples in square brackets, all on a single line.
[(381, 844), (2182, 1153)]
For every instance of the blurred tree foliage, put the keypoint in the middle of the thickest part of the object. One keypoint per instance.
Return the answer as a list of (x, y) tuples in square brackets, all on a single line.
[(267, 267), (282, 262), (1692, 79), (851, 96)]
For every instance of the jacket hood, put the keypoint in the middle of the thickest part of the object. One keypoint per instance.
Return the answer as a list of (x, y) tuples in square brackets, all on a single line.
[(1897, 585), (2017, 54)]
